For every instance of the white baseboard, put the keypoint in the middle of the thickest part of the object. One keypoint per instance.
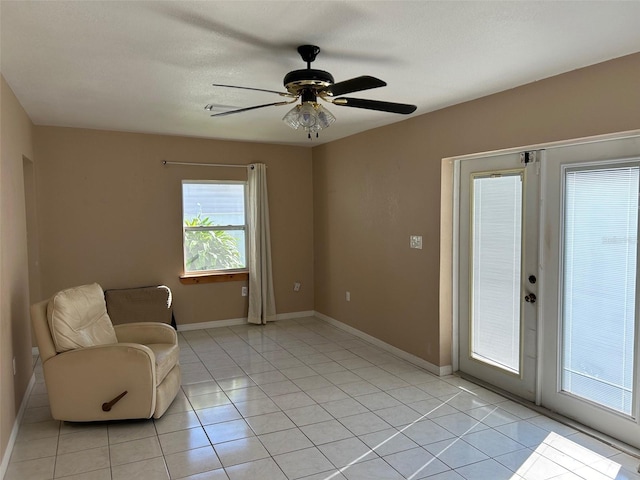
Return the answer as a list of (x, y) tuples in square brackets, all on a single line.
[(420, 362), (16, 425), (240, 321), (289, 316), (214, 324)]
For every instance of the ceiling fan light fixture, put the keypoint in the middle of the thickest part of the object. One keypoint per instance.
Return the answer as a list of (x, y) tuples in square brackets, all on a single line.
[(311, 116)]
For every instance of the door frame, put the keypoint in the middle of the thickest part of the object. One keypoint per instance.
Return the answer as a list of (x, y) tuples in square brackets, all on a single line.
[(450, 235)]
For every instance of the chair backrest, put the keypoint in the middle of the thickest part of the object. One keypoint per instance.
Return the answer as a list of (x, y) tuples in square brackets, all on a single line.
[(142, 304), (77, 318)]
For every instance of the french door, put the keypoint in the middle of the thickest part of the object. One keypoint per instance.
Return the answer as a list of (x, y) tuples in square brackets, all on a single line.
[(498, 271), (590, 335), (557, 324)]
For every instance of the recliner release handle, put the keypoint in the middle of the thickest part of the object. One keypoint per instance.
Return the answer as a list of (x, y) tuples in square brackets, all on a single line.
[(106, 407)]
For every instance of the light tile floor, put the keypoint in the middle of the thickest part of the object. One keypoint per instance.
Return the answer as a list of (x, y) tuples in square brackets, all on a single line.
[(301, 399)]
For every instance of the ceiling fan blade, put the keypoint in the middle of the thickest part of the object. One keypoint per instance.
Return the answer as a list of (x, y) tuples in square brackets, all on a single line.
[(357, 84), (248, 108), (282, 94), (208, 20), (402, 108), (208, 24)]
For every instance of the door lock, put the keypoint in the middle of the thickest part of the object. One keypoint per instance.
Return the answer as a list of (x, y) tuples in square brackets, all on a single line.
[(531, 298)]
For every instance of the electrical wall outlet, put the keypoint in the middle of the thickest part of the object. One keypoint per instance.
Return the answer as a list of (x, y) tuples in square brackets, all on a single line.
[(245, 291), (348, 296), (296, 287), (415, 241)]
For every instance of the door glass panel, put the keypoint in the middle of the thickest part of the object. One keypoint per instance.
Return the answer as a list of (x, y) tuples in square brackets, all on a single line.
[(599, 284), (496, 269)]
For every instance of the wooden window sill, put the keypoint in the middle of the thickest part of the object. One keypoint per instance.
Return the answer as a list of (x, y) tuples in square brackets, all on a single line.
[(214, 277)]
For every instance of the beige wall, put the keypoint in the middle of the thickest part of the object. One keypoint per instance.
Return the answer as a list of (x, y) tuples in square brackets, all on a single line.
[(16, 133), (109, 212), (373, 190)]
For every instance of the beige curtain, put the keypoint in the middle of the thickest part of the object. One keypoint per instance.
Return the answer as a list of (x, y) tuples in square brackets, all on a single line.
[(262, 303)]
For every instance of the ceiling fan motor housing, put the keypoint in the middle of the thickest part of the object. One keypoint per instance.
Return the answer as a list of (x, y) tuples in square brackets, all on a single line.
[(308, 78)]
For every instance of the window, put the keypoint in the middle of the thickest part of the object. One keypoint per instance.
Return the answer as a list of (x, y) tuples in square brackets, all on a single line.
[(214, 226)]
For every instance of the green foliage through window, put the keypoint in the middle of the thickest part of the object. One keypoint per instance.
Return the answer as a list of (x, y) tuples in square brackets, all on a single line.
[(210, 249)]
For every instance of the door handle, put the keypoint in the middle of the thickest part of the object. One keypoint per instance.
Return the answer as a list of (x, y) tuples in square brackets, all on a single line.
[(531, 298)]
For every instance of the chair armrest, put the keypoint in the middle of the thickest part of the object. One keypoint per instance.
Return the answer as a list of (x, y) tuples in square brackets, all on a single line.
[(40, 327), (80, 381), (146, 333)]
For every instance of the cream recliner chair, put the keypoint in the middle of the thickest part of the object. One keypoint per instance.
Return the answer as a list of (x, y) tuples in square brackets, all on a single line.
[(95, 371)]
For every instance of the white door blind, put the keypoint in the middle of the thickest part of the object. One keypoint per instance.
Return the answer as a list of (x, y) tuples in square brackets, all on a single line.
[(496, 262), (599, 284)]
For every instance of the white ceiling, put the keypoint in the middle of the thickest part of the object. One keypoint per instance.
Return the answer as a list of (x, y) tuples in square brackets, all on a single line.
[(148, 66)]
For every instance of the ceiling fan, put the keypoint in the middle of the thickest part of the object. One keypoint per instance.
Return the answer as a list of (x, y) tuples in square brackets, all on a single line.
[(310, 84)]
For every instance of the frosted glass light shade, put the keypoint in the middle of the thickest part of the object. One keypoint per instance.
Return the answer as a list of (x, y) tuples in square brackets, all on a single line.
[(291, 118), (311, 116), (307, 115), (325, 117)]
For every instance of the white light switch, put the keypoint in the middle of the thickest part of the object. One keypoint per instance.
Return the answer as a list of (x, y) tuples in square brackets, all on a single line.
[(415, 241)]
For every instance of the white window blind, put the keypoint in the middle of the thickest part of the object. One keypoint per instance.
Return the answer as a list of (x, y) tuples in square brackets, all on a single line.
[(496, 278), (599, 284)]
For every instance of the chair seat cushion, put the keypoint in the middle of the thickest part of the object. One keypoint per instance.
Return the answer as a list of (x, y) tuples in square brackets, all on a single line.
[(78, 318), (167, 356)]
